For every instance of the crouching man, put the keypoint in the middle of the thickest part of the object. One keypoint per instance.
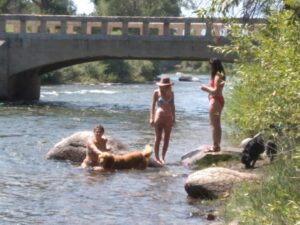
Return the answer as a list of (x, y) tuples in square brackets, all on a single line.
[(95, 146)]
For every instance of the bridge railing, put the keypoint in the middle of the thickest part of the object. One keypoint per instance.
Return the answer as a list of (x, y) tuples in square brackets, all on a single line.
[(116, 26)]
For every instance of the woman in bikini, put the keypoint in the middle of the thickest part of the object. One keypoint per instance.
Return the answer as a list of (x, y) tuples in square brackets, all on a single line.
[(163, 118), (216, 101)]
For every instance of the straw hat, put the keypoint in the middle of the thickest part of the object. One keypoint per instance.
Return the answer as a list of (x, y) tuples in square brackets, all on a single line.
[(164, 81)]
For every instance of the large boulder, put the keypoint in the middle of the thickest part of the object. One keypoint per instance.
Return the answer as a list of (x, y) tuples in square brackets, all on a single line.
[(73, 148), (213, 182)]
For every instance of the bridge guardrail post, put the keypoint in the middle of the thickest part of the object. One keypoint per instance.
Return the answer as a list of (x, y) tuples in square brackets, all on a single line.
[(104, 27), (22, 25), (187, 28), (145, 28), (209, 25), (84, 26), (2, 25), (125, 28), (63, 27), (166, 28), (43, 29)]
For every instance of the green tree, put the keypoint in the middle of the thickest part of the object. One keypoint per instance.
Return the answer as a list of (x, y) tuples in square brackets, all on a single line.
[(138, 8), (57, 7), (14, 6)]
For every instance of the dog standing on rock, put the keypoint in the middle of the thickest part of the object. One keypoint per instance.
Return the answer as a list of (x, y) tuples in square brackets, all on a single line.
[(252, 150)]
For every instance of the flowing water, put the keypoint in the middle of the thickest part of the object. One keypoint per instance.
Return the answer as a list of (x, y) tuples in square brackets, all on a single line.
[(34, 190)]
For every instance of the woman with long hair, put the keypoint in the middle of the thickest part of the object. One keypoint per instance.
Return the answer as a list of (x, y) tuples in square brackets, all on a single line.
[(216, 101)]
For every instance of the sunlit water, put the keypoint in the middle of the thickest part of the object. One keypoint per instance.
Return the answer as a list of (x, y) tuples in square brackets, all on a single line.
[(34, 190)]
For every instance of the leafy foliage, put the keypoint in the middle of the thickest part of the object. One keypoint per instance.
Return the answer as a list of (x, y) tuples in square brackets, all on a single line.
[(266, 90), (57, 7), (264, 95), (138, 7)]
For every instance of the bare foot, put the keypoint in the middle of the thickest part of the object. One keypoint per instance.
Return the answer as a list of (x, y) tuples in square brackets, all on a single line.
[(98, 168), (163, 162), (158, 162), (213, 149)]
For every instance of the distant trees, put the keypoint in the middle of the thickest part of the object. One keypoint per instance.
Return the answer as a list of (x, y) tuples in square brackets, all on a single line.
[(56, 7), (14, 6), (138, 7)]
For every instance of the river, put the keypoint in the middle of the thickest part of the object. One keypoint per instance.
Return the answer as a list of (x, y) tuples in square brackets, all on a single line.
[(34, 190)]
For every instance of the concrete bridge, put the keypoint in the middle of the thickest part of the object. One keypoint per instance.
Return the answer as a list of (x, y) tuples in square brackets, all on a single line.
[(32, 45)]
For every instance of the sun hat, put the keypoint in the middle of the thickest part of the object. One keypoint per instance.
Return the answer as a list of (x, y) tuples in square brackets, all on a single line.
[(164, 81)]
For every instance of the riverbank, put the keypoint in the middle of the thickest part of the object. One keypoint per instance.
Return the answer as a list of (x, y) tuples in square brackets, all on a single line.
[(274, 199), (271, 199)]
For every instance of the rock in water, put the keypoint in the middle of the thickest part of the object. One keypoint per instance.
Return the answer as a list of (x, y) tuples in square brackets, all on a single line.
[(73, 148), (213, 182), (201, 154)]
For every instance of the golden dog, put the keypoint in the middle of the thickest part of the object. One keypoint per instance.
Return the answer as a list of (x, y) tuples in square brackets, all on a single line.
[(130, 160)]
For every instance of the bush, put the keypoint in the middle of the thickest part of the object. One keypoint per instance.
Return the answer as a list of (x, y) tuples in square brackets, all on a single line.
[(265, 91)]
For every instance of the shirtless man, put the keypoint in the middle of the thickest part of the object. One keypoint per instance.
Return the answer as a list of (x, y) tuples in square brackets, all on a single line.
[(96, 145)]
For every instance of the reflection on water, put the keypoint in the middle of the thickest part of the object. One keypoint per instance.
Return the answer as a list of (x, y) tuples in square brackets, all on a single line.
[(34, 190)]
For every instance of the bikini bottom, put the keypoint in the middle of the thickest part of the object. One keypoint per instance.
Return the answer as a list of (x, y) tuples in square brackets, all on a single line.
[(218, 98)]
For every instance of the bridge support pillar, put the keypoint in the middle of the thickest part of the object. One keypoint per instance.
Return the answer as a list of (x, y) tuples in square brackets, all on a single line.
[(3, 67), (24, 86)]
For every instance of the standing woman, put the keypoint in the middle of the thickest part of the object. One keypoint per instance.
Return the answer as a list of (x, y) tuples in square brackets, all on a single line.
[(163, 118), (216, 101)]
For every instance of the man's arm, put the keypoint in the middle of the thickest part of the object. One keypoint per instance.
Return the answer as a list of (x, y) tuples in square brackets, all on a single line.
[(93, 148)]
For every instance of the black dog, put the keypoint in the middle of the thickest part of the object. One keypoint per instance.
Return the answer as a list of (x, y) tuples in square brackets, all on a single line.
[(271, 150), (252, 150)]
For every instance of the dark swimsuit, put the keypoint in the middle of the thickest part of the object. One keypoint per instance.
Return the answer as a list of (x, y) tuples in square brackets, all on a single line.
[(165, 118), (161, 101), (218, 98)]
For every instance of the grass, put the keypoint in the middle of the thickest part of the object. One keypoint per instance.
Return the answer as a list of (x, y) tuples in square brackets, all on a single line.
[(217, 160), (272, 200)]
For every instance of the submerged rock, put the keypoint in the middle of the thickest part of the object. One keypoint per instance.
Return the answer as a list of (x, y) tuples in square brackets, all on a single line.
[(213, 182), (73, 148)]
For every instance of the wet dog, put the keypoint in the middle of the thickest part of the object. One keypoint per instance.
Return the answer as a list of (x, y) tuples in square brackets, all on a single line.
[(131, 160), (252, 150)]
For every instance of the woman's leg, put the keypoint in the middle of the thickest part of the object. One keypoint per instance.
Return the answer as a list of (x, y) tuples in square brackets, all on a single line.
[(167, 134), (215, 110), (158, 134)]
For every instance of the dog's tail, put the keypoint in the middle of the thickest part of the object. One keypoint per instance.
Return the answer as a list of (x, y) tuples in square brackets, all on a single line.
[(147, 151)]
